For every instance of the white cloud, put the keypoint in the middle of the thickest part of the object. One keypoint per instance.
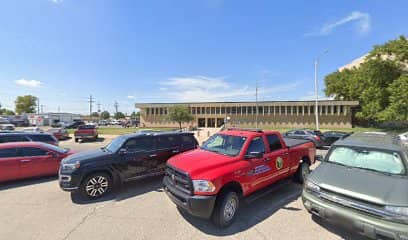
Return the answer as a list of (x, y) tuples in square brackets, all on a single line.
[(362, 22), (29, 83), (57, 1), (201, 88), (131, 97)]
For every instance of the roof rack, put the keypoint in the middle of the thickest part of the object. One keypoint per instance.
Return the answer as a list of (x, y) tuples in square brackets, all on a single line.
[(247, 129)]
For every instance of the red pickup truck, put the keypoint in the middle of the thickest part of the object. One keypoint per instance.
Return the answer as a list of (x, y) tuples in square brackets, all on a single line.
[(209, 182), (86, 132)]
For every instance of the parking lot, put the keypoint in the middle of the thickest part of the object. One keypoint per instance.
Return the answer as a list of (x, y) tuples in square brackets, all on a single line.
[(38, 209)]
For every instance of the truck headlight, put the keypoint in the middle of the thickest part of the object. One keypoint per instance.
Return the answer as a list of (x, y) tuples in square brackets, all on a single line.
[(312, 187), (70, 166), (203, 186)]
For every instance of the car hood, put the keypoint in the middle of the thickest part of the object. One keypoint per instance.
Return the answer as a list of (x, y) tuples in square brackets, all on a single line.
[(199, 161), (362, 184), (86, 156)]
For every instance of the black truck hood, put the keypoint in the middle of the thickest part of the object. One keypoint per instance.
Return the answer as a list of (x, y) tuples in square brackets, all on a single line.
[(362, 184), (86, 156)]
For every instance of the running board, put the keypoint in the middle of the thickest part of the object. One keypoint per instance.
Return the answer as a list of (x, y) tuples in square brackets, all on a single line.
[(267, 190)]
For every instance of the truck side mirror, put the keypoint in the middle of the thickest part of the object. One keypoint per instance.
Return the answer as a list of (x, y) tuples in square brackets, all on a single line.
[(123, 151)]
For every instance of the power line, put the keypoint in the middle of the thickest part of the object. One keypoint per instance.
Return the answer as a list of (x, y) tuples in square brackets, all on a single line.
[(99, 106)]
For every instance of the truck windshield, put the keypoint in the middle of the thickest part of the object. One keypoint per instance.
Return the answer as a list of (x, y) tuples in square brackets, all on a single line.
[(373, 160), (224, 144), (115, 144)]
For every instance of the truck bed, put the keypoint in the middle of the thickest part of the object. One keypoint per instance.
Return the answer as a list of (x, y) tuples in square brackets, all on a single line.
[(293, 142)]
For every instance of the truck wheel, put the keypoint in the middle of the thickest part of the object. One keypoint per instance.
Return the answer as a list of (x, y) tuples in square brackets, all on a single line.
[(96, 185), (302, 172), (226, 209)]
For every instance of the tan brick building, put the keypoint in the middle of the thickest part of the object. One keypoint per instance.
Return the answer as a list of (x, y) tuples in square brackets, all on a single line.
[(332, 114)]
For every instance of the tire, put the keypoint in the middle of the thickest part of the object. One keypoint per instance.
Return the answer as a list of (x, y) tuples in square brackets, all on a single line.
[(302, 172), (76, 139), (96, 185), (226, 209)]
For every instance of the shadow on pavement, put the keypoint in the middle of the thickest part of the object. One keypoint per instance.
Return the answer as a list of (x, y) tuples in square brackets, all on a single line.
[(127, 190), (26, 182), (251, 214), (341, 232)]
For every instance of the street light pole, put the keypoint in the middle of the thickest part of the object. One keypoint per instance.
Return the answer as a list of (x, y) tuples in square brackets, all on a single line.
[(316, 65), (316, 96)]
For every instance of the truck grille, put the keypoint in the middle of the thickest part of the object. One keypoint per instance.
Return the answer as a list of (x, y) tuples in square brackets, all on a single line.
[(179, 180)]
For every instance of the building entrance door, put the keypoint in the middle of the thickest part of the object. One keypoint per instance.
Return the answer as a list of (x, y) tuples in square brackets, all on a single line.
[(211, 122), (220, 122), (201, 123)]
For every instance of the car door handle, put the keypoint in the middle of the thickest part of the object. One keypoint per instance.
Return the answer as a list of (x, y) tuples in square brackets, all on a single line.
[(285, 154), (175, 151), (25, 160), (267, 159), (153, 155)]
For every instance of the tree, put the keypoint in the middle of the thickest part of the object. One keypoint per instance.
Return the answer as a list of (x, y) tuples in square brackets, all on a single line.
[(374, 82), (25, 104), (105, 115), (95, 114), (119, 115), (6, 112), (135, 115), (398, 101), (180, 114)]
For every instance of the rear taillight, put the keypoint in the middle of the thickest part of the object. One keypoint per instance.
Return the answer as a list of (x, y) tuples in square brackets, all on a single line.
[(317, 138)]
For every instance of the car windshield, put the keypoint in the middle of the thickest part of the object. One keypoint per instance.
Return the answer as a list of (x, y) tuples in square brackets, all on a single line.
[(55, 148), (374, 160), (224, 144), (115, 144), (86, 127)]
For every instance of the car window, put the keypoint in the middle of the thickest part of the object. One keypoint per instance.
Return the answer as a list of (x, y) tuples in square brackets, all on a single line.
[(274, 142), (256, 145), (188, 141), (30, 151), (8, 153), (165, 142), (140, 144), (299, 132), (42, 138), (13, 138), (376, 160)]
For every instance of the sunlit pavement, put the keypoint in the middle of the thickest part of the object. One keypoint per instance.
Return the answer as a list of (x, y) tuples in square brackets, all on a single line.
[(38, 209)]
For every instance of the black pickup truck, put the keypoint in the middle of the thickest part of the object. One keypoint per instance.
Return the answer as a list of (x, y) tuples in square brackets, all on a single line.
[(128, 157)]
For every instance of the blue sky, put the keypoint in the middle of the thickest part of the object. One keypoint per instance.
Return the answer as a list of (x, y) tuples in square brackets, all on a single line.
[(173, 51)]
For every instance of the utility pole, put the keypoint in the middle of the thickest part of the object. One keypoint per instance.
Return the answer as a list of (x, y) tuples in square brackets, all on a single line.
[(256, 104), (42, 108), (38, 105), (116, 107), (316, 65), (99, 107), (91, 101)]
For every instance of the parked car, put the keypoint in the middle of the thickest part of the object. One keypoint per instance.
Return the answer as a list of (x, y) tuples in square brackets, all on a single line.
[(74, 125), (315, 136), (86, 132), (115, 122), (59, 133), (33, 129), (20, 160), (362, 185), (331, 136), (102, 123), (7, 127), (6, 137), (128, 157), (404, 137), (209, 182)]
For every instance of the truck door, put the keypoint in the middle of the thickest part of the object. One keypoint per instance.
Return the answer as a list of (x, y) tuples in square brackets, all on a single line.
[(279, 157), (137, 157), (9, 164), (261, 170)]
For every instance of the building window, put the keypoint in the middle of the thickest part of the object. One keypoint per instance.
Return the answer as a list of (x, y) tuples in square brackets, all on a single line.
[(260, 110), (341, 109), (306, 109), (161, 111), (282, 110), (222, 110), (212, 110), (228, 110), (323, 109), (277, 110), (239, 110), (207, 110), (312, 109), (165, 111), (294, 110), (217, 110), (328, 109), (288, 110), (233, 110), (157, 111), (266, 110), (147, 111), (249, 110), (335, 109), (193, 110), (300, 109), (198, 110)]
